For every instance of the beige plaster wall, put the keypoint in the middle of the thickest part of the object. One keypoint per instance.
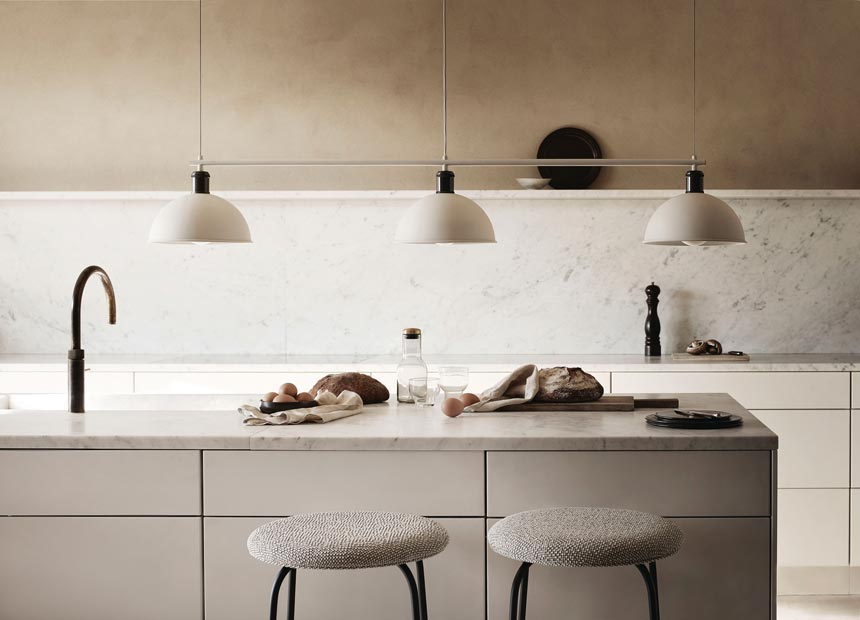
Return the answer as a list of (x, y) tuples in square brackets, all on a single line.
[(103, 94)]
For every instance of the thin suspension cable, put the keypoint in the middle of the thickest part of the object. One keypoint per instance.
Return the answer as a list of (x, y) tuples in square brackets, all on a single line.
[(200, 79), (444, 82), (694, 79)]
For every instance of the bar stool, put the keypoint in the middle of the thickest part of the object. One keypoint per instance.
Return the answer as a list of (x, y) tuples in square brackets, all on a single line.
[(346, 541), (584, 537)]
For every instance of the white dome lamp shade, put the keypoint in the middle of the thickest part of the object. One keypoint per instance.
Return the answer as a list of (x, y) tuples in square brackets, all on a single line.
[(694, 218), (445, 217), (199, 217)]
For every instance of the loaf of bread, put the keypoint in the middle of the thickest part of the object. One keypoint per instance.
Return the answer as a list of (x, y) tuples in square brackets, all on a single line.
[(567, 385), (370, 390)]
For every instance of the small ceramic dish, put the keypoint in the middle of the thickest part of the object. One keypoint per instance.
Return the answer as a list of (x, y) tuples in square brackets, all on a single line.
[(270, 407), (533, 183)]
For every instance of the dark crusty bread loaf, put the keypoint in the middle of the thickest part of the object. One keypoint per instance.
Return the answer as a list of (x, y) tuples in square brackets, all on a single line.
[(370, 390), (567, 385)]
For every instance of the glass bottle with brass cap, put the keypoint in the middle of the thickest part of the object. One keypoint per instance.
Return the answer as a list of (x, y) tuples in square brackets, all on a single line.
[(411, 365)]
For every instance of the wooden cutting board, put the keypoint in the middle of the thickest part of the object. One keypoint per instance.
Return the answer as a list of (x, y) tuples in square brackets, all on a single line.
[(607, 403), (686, 357)]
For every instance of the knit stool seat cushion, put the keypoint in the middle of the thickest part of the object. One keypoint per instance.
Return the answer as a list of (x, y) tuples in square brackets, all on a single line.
[(347, 540), (585, 537)]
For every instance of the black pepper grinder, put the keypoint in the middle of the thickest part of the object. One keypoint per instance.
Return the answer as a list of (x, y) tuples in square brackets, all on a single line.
[(652, 322)]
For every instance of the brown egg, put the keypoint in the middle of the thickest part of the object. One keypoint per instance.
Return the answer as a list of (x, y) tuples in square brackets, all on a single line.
[(269, 396), (452, 407), (288, 388), (304, 397), (469, 399), (284, 398)]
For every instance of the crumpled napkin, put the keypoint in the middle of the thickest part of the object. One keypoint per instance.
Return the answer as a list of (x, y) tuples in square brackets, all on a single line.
[(330, 408), (521, 386)]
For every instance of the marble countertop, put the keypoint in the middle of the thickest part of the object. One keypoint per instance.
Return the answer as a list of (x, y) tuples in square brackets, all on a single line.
[(824, 362), (389, 426)]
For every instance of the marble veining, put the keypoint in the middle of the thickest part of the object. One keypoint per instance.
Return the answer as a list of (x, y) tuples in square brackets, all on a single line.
[(388, 426), (325, 277)]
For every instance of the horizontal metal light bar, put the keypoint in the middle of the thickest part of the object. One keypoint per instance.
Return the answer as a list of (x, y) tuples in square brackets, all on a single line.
[(437, 163)]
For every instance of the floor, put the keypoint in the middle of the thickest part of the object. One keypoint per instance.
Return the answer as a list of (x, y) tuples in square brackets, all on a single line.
[(818, 608)]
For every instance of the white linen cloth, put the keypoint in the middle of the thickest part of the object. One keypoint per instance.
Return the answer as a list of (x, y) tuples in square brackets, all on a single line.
[(330, 408), (521, 386)]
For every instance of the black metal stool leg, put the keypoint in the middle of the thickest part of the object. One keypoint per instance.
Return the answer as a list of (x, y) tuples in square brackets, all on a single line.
[(524, 593), (276, 592), (649, 575), (519, 591), (653, 568), (413, 591), (291, 606), (422, 590)]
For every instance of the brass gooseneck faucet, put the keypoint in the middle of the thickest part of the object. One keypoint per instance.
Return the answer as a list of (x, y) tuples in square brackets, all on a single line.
[(76, 353)]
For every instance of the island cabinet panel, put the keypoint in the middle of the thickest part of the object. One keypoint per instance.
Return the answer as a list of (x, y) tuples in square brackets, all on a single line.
[(679, 483), (753, 390), (238, 586), (243, 483), (100, 568), (722, 571), (220, 382), (814, 446), (100, 482)]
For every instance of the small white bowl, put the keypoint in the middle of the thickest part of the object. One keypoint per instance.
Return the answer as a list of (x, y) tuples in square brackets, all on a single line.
[(533, 183)]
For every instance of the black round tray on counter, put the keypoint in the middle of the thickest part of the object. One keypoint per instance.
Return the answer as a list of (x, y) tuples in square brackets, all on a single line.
[(675, 420), (270, 407)]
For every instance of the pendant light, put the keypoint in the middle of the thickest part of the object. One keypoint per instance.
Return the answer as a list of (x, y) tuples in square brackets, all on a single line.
[(445, 217), (199, 217), (694, 218)]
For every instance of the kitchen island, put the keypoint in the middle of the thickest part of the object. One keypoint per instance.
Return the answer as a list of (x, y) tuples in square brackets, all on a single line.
[(144, 514)]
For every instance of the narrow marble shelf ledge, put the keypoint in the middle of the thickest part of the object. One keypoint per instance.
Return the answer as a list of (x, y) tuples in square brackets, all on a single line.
[(809, 362), (258, 196)]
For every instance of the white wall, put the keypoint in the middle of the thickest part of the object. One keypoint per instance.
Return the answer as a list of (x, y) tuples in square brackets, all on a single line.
[(325, 276)]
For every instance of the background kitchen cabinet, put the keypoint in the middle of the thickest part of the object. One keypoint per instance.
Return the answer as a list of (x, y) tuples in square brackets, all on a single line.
[(100, 568), (813, 541), (754, 390), (814, 447), (220, 382), (51, 382), (685, 588), (238, 586)]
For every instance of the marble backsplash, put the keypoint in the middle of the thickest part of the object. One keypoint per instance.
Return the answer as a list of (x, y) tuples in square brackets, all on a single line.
[(325, 276)]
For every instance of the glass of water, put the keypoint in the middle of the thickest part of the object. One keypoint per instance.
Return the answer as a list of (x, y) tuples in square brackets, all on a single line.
[(453, 380), (423, 390)]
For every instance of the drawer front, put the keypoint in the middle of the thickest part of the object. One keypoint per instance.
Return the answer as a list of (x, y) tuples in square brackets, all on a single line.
[(855, 390), (813, 527), (669, 483), (237, 585), (94, 482), (100, 568), (220, 382), (57, 382), (718, 556), (855, 448), (814, 446), (754, 390), (855, 527), (249, 483)]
